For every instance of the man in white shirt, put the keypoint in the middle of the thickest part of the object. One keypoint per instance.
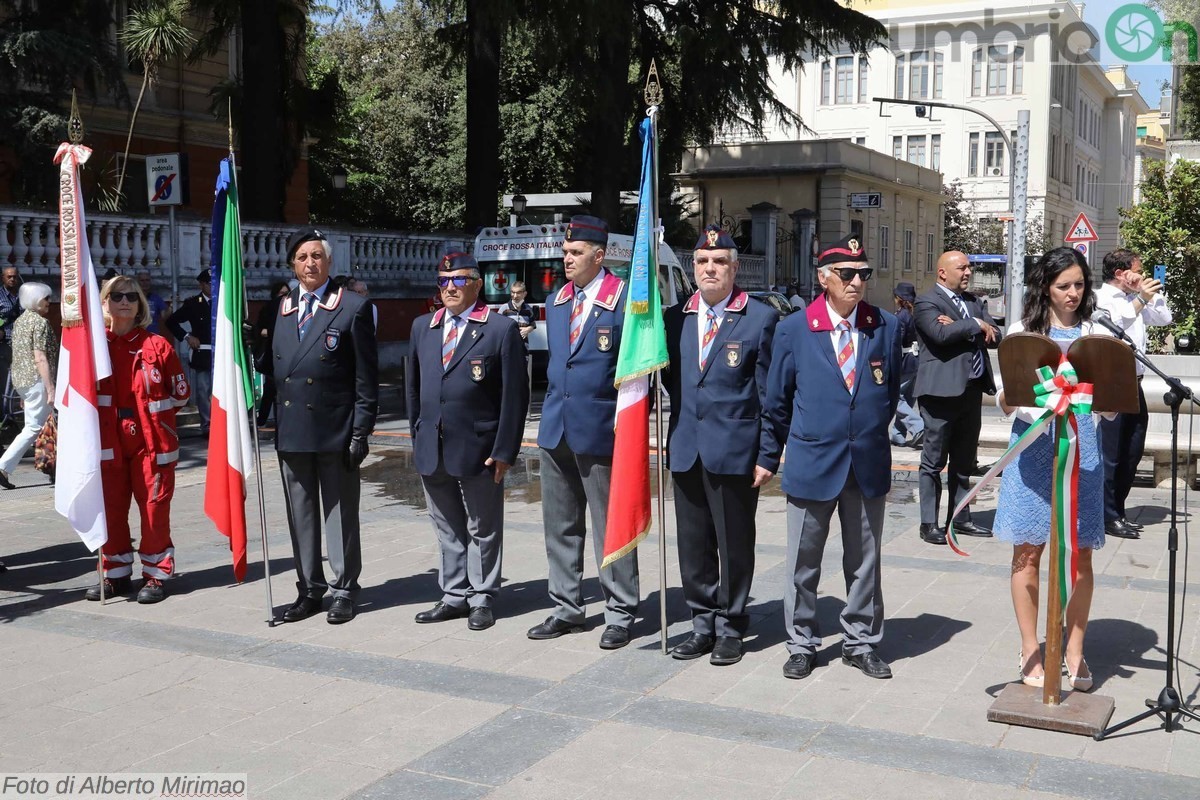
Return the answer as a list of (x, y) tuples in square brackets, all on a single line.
[(1133, 301)]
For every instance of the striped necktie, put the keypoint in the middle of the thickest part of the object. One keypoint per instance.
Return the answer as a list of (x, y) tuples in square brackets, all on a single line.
[(577, 319), (449, 343), (977, 357), (710, 333), (306, 316), (845, 354)]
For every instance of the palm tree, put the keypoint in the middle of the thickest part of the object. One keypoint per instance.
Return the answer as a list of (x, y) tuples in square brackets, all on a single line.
[(152, 34)]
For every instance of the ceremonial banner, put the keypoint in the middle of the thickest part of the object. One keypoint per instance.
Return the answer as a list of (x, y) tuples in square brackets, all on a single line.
[(643, 351), (82, 363), (230, 446)]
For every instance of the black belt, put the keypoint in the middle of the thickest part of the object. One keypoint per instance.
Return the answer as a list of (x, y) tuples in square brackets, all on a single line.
[(126, 413)]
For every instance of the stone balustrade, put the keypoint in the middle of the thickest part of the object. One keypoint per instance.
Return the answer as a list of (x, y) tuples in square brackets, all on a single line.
[(396, 264)]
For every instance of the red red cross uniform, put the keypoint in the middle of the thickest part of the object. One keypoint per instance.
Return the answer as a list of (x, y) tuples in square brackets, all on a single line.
[(139, 450)]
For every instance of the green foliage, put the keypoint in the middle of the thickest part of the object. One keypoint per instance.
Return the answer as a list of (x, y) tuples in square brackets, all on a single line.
[(959, 227), (1162, 230), (964, 230)]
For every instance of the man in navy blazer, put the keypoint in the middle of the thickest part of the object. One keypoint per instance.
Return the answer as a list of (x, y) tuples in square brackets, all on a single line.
[(583, 333), (467, 399), (833, 389), (719, 450)]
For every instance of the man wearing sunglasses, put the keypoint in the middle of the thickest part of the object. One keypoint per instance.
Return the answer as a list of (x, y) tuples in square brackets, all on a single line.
[(953, 372), (832, 391), (583, 331), (467, 398), (327, 387), (720, 452)]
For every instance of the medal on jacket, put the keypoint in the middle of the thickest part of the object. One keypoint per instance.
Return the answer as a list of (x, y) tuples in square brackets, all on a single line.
[(877, 371), (733, 353), (477, 369), (332, 337), (604, 339)]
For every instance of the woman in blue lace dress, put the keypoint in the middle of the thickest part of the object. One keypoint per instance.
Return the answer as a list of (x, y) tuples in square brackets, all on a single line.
[(1059, 302)]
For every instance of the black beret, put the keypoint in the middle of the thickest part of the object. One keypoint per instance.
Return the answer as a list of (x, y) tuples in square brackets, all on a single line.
[(457, 260), (846, 249), (306, 234), (587, 229), (714, 238)]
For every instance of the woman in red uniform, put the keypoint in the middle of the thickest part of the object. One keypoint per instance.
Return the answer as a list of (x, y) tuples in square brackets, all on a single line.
[(139, 446)]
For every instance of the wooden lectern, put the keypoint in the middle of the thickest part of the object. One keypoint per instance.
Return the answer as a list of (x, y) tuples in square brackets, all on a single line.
[(1108, 364)]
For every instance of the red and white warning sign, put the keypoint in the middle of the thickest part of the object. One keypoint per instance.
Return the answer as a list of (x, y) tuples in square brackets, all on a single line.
[(1081, 230)]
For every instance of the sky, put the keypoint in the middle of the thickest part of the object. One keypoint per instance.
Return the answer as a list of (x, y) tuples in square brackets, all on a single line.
[(1149, 73)]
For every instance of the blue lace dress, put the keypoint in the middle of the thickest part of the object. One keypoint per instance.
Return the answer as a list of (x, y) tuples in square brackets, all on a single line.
[(1023, 509)]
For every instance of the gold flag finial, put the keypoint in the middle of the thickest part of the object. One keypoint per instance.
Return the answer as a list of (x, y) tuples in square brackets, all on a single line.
[(653, 92), (74, 122)]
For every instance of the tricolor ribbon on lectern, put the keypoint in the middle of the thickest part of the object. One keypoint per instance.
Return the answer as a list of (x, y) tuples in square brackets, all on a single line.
[(1062, 397)]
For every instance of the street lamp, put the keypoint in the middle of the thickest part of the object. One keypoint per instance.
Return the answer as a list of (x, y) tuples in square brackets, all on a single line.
[(338, 178), (519, 202)]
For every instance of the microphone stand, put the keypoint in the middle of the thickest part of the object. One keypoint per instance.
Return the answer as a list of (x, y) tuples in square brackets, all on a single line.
[(1168, 707)]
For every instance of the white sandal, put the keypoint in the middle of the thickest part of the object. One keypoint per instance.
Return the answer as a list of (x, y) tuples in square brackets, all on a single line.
[(1080, 683), (1036, 681)]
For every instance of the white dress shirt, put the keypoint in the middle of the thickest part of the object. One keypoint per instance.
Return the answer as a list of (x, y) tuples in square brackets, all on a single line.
[(1124, 311), (836, 334), (590, 291), (702, 318)]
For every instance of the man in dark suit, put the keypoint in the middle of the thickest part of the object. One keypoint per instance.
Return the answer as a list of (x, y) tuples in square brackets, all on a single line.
[(583, 330), (327, 387), (833, 388), (467, 399), (196, 314), (719, 344), (953, 373)]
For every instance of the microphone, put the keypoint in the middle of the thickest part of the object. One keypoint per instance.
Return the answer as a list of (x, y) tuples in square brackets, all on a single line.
[(1101, 317)]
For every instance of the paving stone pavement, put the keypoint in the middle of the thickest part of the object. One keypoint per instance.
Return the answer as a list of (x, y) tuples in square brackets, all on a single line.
[(385, 708)]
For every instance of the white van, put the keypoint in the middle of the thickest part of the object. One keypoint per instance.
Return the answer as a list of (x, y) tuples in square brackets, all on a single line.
[(533, 254)]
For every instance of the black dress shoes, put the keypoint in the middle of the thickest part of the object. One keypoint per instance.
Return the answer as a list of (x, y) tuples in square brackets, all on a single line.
[(442, 612), (341, 610), (1118, 528), (728, 650), (799, 665), (932, 534), (553, 628), (969, 529), (303, 608), (697, 645), (614, 637), (480, 618), (112, 588), (1137, 526), (871, 665)]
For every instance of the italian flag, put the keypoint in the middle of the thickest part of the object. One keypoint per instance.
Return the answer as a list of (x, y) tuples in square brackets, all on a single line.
[(230, 447), (643, 350)]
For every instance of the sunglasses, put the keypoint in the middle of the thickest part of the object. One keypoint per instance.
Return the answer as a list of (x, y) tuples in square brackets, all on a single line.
[(117, 297), (847, 273), (458, 280)]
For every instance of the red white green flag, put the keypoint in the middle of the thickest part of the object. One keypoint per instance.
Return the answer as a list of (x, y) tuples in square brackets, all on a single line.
[(230, 446), (643, 350)]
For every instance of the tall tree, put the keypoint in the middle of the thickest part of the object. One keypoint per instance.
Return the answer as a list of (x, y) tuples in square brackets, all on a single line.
[(486, 20)]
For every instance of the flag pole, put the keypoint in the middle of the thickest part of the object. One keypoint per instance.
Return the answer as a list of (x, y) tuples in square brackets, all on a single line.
[(654, 96)]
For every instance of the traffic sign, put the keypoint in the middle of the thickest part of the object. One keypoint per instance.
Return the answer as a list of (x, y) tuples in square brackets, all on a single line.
[(1081, 230), (1082, 247), (164, 180), (866, 200)]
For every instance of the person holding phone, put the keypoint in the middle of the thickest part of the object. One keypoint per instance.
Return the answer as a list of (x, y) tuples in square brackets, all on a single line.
[(1134, 302)]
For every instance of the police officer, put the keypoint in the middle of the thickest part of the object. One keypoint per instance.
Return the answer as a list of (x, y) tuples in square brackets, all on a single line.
[(719, 451), (833, 388), (467, 399), (196, 313), (327, 386), (583, 331)]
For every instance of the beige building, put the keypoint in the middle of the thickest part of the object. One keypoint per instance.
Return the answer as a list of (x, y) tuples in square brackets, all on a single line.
[(785, 200)]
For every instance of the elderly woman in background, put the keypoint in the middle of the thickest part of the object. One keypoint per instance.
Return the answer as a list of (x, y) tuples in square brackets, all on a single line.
[(35, 362), (139, 446)]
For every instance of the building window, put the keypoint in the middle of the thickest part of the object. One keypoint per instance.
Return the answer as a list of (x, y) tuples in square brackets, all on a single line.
[(977, 73), (993, 160), (1141, 131), (926, 75), (994, 62), (1018, 70), (826, 82), (900, 76), (935, 152), (885, 247), (860, 140), (897, 147), (862, 79), (929, 252), (845, 80), (916, 150), (997, 82), (908, 250), (973, 155)]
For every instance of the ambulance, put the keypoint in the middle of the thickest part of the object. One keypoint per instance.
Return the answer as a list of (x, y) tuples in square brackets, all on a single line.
[(533, 254)]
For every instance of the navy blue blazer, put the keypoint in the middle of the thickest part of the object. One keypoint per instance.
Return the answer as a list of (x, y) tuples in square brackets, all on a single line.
[(581, 401), (327, 386), (829, 430), (717, 414), (475, 409)]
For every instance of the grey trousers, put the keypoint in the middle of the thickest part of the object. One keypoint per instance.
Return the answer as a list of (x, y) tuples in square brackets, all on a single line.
[(312, 481), (468, 518), (572, 484), (861, 520)]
